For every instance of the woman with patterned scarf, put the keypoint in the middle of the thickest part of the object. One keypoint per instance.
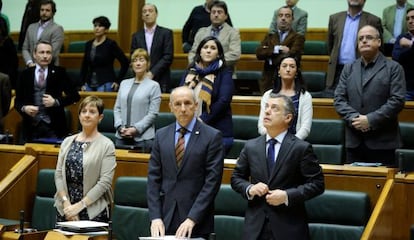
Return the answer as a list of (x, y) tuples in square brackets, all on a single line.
[(213, 84)]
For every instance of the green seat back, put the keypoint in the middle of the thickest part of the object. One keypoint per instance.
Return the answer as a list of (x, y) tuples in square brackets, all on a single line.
[(130, 218), (249, 47), (76, 47), (176, 76), (247, 82), (327, 137), (407, 134), (164, 119), (44, 213), (315, 82), (315, 47), (106, 126), (244, 128), (229, 210), (338, 213), (406, 160)]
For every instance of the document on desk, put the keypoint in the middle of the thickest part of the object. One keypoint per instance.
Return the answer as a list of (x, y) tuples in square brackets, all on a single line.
[(85, 227), (168, 238)]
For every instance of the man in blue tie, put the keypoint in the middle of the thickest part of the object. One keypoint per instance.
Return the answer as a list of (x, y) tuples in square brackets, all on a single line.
[(278, 183)]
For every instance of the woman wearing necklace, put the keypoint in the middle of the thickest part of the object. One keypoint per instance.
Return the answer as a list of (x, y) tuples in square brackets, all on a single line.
[(97, 71), (85, 168), (137, 105), (212, 82)]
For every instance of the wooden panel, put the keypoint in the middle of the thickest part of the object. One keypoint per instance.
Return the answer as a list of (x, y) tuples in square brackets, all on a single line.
[(9, 155)]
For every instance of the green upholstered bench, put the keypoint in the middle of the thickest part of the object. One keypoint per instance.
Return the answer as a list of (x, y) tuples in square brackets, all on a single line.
[(315, 47), (315, 82), (163, 119), (405, 159), (407, 134), (327, 139), (130, 218), (44, 213), (247, 82), (106, 126), (76, 47), (244, 128), (229, 214), (249, 47), (339, 215)]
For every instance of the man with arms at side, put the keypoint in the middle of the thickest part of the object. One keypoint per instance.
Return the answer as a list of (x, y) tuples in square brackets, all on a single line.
[(278, 183), (276, 45), (228, 36), (184, 172), (342, 39), (393, 20), (369, 96), (199, 17), (158, 41), (300, 19), (44, 30), (403, 53), (40, 99)]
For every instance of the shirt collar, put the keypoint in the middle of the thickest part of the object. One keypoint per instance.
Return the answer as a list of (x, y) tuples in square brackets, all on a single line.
[(189, 127), (279, 137), (150, 30)]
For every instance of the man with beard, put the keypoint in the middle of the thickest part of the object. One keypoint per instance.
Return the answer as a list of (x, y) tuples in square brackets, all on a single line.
[(369, 96), (342, 38), (276, 45), (44, 30)]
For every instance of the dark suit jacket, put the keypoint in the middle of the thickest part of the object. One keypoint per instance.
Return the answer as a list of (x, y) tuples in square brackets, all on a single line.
[(220, 115), (5, 97), (57, 81), (103, 63), (161, 55), (380, 96), (293, 40), (191, 189), (296, 171), (335, 34)]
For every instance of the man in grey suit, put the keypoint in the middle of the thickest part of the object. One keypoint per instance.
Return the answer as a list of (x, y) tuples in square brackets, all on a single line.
[(369, 96), (158, 41), (342, 38), (300, 19), (278, 183), (44, 30), (228, 36), (184, 172)]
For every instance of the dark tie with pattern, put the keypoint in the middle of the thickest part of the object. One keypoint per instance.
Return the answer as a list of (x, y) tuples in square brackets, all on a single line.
[(271, 154), (179, 147), (41, 80)]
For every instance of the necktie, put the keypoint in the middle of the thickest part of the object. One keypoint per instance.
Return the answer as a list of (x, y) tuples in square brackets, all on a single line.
[(271, 154), (281, 37), (41, 80), (179, 147)]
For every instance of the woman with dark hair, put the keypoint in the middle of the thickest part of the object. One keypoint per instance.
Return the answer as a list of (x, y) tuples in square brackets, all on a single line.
[(289, 82), (9, 61), (97, 71), (212, 82), (85, 169)]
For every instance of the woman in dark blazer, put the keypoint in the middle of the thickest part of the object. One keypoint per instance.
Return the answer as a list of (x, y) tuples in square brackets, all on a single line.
[(213, 84), (97, 71)]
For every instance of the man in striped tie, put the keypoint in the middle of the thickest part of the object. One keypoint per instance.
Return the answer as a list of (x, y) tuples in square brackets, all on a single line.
[(184, 172)]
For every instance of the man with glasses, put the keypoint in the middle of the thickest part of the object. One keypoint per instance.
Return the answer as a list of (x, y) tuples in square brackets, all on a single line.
[(369, 96), (342, 33)]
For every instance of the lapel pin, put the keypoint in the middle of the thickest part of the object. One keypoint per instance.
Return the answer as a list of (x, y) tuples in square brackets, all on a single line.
[(197, 132)]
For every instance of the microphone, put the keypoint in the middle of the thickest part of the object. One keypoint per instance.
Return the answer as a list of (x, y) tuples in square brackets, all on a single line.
[(21, 230)]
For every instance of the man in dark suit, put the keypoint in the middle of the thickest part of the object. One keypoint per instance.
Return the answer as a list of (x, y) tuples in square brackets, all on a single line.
[(44, 30), (158, 41), (278, 183), (275, 45), (182, 184), (39, 97), (369, 96), (342, 31)]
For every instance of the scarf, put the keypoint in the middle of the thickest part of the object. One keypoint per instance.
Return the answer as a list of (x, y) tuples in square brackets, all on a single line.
[(202, 80)]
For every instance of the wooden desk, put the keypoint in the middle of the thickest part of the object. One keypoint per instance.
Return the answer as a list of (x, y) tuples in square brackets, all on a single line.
[(11, 235), (52, 235)]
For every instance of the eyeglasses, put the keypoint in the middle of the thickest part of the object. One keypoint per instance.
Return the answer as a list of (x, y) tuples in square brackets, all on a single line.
[(367, 37)]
